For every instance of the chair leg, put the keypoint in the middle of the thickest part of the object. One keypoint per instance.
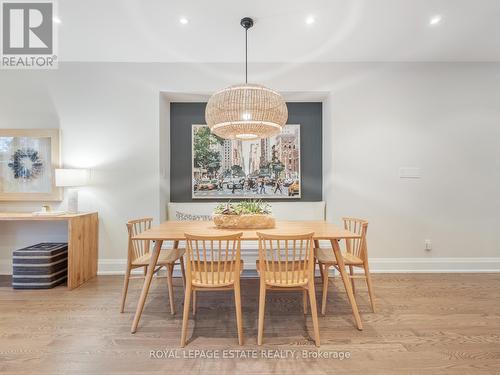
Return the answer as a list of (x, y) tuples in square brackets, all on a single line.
[(314, 312), (125, 287), (262, 307), (369, 284), (194, 302), (325, 289), (239, 319), (170, 270), (351, 272), (145, 270), (183, 271), (185, 315), (304, 301)]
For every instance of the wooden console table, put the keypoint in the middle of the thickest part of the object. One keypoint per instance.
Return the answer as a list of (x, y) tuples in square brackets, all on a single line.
[(83, 232)]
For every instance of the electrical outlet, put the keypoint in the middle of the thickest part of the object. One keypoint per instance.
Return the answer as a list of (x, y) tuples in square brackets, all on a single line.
[(428, 245)]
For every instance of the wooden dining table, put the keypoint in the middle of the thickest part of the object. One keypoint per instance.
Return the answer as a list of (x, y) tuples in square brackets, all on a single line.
[(175, 231)]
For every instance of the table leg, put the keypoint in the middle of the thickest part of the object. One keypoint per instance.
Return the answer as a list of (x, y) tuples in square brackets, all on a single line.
[(147, 283), (347, 283), (316, 246), (181, 263)]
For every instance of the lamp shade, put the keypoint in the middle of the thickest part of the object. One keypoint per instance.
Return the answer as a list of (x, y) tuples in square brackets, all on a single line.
[(72, 177), (246, 111)]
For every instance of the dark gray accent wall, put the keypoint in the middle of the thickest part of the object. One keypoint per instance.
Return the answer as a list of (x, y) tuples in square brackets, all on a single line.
[(308, 115)]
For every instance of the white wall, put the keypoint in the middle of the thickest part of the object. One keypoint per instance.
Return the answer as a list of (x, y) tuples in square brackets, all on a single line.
[(443, 118)]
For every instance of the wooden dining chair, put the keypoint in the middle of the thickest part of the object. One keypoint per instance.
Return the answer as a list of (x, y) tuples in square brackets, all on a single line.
[(286, 262), (213, 263), (355, 256), (139, 255)]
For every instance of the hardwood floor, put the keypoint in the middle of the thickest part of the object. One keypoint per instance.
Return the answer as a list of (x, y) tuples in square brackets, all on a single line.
[(425, 324)]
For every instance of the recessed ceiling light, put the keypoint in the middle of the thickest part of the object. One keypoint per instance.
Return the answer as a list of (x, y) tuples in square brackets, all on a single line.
[(56, 20), (310, 20), (435, 20), (183, 21)]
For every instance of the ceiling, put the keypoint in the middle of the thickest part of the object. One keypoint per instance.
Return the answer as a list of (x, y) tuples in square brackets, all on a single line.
[(344, 30)]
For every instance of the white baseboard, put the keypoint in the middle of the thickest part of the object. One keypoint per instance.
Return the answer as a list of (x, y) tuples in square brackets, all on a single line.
[(111, 266), (377, 265), (435, 265)]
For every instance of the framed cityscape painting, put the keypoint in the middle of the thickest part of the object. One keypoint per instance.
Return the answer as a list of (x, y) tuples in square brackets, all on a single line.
[(28, 158), (233, 169)]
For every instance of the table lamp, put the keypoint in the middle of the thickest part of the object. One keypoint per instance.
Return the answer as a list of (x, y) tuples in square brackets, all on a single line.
[(72, 178)]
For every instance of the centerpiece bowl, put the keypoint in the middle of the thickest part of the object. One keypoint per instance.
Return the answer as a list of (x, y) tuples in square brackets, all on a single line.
[(244, 215)]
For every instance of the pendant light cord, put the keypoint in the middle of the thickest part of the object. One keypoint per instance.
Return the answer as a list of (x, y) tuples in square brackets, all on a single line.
[(246, 55), (247, 23)]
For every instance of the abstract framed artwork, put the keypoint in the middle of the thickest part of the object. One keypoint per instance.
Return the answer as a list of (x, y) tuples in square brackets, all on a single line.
[(28, 158), (234, 169)]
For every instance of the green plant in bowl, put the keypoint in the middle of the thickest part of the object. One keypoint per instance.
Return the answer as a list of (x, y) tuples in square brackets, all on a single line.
[(249, 207)]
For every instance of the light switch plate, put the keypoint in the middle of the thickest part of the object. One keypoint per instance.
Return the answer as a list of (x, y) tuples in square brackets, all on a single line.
[(409, 172)]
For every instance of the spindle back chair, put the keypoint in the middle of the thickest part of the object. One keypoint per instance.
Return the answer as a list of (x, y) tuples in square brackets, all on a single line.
[(355, 256), (139, 255), (213, 263), (286, 262)]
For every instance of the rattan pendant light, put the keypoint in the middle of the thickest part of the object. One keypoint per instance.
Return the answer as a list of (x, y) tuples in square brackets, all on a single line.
[(246, 111)]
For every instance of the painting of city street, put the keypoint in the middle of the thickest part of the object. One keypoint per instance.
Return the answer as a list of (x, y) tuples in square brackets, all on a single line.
[(235, 169)]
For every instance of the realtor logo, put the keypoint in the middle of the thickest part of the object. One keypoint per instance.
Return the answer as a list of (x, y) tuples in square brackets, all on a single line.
[(28, 35)]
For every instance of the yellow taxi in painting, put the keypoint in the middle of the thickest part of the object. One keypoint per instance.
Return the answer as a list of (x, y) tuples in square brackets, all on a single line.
[(294, 188)]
